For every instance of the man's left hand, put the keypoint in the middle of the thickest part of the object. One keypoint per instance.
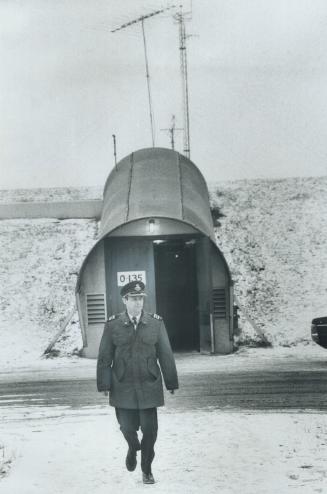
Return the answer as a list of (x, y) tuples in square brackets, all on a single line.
[(171, 391)]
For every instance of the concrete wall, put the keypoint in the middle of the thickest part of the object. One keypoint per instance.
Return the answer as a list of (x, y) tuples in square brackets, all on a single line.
[(93, 282), (203, 258), (222, 334), (60, 210)]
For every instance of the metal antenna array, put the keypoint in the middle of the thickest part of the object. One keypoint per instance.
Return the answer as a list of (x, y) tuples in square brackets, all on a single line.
[(172, 129), (180, 17), (136, 21)]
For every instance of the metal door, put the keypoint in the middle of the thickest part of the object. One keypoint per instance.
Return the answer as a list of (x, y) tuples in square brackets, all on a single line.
[(128, 259)]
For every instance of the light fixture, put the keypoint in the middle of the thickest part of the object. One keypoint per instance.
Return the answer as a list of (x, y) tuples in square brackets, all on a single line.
[(151, 225)]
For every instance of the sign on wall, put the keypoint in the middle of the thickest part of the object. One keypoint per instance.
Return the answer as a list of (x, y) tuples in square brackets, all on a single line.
[(124, 277)]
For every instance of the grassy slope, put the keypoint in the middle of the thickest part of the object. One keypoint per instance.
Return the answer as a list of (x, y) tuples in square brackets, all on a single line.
[(39, 262), (274, 237)]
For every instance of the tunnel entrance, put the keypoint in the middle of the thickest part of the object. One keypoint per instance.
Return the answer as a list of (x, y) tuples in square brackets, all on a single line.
[(170, 271), (176, 292), (156, 227)]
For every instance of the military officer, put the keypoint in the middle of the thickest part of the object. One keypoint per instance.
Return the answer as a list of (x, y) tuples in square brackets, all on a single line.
[(132, 344)]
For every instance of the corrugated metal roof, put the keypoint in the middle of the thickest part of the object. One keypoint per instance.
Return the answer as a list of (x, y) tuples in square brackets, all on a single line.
[(156, 182)]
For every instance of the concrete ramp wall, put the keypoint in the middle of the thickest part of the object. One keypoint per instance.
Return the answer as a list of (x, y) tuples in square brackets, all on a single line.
[(59, 210)]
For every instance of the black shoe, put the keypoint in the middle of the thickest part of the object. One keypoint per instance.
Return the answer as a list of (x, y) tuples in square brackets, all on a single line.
[(148, 478), (131, 460)]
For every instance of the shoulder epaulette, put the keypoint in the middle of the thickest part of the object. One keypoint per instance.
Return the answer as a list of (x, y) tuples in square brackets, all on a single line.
[(155, 316), (113, 317)]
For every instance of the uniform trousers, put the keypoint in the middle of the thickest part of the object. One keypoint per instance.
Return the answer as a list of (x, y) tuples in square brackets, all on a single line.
[(130, 420)]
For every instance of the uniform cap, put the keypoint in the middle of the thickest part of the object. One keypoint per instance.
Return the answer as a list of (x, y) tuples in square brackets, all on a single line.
[(134, 288)]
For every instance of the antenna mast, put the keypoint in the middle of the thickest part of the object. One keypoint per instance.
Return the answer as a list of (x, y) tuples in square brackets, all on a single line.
[(180, 17), (147, 73), (172, 129)]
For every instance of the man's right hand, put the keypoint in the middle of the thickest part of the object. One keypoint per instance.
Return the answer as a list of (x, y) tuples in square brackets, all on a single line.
[(105, 393)]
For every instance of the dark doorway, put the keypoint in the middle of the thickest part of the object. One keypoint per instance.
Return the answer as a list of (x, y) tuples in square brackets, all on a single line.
[(176, 292)]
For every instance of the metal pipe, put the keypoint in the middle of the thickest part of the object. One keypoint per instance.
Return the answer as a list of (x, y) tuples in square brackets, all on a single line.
[(148, 84), (115, 151)]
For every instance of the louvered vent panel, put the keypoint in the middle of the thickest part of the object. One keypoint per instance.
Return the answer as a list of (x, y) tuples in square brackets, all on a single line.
[(96, 309), (219, 303)]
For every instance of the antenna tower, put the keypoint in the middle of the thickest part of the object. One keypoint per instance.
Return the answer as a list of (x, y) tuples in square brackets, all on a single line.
[(141, 19), (180, 17)]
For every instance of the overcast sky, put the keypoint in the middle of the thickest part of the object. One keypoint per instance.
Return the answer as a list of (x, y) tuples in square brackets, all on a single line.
[(257, 79)]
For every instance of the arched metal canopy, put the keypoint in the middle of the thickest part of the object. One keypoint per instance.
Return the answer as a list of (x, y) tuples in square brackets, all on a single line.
[(159, 183), (156, 182)]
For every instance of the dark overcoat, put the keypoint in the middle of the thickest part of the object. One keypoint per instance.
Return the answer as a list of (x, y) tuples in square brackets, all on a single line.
[(127, 364)]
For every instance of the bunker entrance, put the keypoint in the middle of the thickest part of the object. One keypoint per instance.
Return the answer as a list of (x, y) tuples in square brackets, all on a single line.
[(176, 292)]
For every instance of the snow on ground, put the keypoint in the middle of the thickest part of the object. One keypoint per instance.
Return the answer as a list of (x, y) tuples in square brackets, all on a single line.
[(68, 451), (211, 451), (274, 237), (245, 360), (39, 263)]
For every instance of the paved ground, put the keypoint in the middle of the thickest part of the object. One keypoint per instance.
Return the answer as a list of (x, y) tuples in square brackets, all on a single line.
[(274, 385), (248, 422)]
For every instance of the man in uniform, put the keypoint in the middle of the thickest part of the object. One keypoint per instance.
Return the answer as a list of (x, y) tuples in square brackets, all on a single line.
[(132, 344)]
